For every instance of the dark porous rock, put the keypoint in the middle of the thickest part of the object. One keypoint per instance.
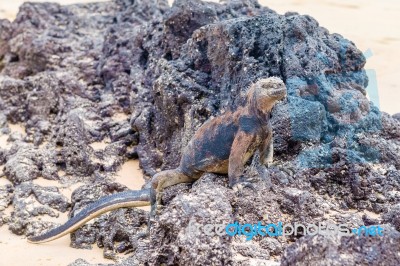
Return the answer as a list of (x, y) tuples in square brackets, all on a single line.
[(252, 251), (74, 149), (272, 245), (390, 126), (301, 204), (13, 96), (79, 262), (353, 250), (30, 201), (82, 262), (6, 194), (117, 232), (4, 129), (48, 162), (138, 78), (308, 119), (21, 163), (396, 116), (25, 162), (211, 80), (393, 217), (299, 120), (123, 230), (81, 197), (206, 204)]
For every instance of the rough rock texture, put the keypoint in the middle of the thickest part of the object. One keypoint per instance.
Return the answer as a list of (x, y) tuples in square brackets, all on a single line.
[(68, 72), (31, 200), (355, 250), (119, 231), (6, 193)]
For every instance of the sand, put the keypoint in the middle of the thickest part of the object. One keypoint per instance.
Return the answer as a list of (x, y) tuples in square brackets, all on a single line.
[(15, 250), (58, 252), (371, 25)]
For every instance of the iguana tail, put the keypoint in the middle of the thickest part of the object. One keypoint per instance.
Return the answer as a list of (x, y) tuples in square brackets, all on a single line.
[(131, 198)]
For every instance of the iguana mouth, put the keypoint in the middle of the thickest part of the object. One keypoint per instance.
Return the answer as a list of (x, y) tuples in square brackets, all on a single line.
[(278, 93)]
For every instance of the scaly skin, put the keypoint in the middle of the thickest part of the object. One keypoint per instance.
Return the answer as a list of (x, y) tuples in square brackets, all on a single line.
[(222, 145), (104, 204)]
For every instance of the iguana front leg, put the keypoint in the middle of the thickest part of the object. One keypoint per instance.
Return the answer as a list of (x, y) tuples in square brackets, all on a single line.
[(267, 151), (240, 153)]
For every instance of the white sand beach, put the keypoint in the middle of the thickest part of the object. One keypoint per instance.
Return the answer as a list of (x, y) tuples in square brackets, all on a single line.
[(15, 250), (371, 25)]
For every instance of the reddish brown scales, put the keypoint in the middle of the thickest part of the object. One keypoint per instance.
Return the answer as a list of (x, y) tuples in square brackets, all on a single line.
[(225, 143), (222, 145)]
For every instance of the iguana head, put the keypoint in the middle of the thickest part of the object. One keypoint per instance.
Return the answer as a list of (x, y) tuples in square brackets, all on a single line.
[(265, 93)]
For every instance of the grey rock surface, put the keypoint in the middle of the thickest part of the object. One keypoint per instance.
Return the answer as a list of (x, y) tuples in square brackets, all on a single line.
[(29, 201), (354, 250), (67, 71)]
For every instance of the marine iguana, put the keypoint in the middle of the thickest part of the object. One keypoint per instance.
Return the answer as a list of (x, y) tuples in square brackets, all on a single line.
[(221, 145)]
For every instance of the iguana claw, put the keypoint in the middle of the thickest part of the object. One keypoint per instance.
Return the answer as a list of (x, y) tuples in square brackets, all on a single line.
[(238, 187)]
